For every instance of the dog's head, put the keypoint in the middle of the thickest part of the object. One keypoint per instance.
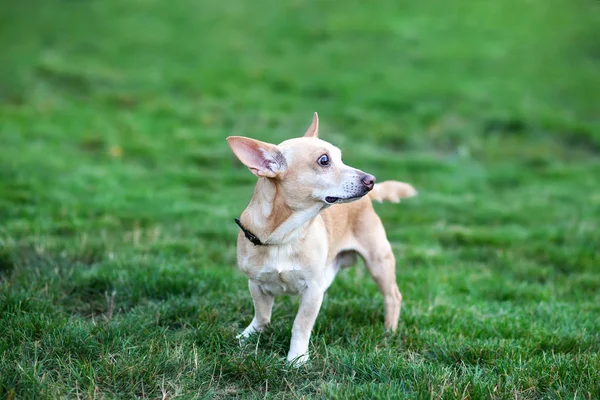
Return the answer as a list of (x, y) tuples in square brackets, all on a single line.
[(306, 169)]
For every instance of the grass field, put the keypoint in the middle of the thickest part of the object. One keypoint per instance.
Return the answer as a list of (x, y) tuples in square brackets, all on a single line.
[(118, 193)]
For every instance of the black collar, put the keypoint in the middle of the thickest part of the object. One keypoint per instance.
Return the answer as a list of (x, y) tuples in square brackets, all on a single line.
[(249, 235)]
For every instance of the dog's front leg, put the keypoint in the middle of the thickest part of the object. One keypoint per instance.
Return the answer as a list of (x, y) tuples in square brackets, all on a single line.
[(310, 304), (263, 305)]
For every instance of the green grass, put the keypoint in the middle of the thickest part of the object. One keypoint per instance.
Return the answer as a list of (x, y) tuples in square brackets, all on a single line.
[(118, 193)]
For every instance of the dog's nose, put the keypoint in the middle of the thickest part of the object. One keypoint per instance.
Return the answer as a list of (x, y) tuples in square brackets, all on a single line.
[(368, 180)]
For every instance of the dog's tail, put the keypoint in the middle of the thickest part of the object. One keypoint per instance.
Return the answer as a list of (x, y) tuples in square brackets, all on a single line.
[(391, 191)]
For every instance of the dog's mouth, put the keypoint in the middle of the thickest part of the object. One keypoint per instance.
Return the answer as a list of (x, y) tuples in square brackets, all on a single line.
[(333, 200)]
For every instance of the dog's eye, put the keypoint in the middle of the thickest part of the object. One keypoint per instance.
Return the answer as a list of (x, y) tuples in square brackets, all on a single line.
[(323, 160)]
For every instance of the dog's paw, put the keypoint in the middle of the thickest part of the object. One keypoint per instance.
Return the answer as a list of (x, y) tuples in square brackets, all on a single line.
[(249, 331), (241, 338)]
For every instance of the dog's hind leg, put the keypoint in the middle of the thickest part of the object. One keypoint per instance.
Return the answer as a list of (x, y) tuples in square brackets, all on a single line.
[(381, 263)]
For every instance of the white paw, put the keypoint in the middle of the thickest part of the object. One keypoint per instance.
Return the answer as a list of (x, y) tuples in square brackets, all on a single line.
[(249, 331), (242, 337)]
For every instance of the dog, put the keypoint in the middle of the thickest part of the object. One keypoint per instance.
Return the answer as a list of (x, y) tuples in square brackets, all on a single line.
[(310, 216)]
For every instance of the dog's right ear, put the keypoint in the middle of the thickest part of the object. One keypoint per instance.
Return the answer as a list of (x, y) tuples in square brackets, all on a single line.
[(313, 129), (263, 159)]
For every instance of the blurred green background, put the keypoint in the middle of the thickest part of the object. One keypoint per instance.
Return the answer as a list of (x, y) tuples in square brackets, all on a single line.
[(118, 193)]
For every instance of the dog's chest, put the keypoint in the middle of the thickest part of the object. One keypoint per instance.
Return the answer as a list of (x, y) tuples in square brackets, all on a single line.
[(277, 274), (276, 281)]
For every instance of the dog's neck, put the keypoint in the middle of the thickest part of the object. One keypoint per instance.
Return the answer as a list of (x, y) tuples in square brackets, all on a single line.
[(270, 219)]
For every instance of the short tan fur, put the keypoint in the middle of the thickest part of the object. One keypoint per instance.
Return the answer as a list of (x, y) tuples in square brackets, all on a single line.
[(313, 215)]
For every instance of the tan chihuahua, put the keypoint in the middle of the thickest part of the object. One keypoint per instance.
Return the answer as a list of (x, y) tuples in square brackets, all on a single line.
[(293, 242)]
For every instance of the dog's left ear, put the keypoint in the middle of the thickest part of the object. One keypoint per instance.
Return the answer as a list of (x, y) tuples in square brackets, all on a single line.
[(313, 129), (262, 159)]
